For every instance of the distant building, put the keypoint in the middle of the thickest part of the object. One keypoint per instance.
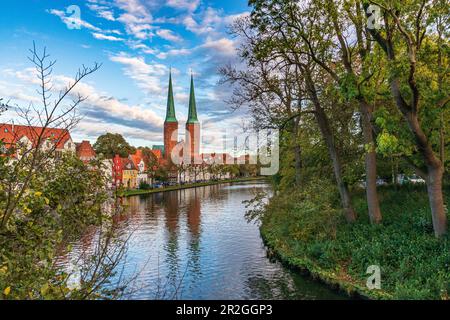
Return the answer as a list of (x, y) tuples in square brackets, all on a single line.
[(139, 163), (125, 173), (158, 151), (85, 151), (27, 137)]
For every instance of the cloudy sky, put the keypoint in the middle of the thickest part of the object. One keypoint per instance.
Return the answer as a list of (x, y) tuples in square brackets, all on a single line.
[(137, 41)]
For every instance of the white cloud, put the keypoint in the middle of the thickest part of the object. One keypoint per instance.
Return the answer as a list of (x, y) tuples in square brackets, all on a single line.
[(28, 75), (137, 45), (136, 26), (96, 102), (102, 11), (211, 21), (17, 94), (111, 106), (223, 46), (174, 53), (190, 5), (169, 35), (101, 36), (93, 128), (136, 19), (146, 75), (134, 7)]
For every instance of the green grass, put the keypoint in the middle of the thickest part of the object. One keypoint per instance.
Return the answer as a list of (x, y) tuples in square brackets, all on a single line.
[(129, 193), (307, 231)]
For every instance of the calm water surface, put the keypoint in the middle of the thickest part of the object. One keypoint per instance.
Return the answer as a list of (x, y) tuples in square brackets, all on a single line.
[(196, 244)]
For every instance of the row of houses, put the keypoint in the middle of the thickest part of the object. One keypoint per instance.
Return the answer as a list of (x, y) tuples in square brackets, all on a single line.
[(129, 172), (19, 138)]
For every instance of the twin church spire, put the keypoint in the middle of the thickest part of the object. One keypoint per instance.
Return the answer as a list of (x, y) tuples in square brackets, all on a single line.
[(192, 115), (170, 112), (192, 140)]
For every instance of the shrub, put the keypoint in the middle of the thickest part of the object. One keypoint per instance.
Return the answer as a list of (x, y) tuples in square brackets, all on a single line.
[(144, 186), (414, 264)]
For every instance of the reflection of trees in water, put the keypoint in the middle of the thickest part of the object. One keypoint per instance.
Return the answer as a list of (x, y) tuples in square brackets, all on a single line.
[(264, 287), (287, 286)]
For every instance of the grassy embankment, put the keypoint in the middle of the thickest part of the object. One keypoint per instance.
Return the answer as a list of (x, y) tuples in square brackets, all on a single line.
[(129, 193), (307, 232)]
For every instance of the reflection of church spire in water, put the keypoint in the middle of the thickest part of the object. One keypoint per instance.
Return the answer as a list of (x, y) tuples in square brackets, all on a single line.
[(194, 225), (171, 210), (193, 212)]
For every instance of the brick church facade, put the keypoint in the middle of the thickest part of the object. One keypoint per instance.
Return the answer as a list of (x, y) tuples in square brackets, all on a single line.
[(191, 147)]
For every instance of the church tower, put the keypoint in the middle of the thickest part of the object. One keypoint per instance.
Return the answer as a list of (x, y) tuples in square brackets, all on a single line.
[(170, 124), (192, 146)]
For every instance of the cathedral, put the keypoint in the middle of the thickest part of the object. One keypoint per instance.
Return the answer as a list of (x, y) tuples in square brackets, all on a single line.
[(190, 164), (191, 147)]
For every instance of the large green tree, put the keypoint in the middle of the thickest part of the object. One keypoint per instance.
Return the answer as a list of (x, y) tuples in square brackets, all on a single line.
[(419, 84), (314, 35), (111, 144)]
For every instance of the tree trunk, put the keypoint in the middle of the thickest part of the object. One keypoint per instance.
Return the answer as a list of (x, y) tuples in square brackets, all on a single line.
[(327, 134), (442, 139), (373, 203), (297, 154), (435, 168), (344, 193), (433, 176), (298, 165), (434, 187)]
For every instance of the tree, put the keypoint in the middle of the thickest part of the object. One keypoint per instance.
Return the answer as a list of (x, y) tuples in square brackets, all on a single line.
[(57, 113), (111, 144), (3, 106), (403, 38), (46, 200), (150, 160), (297, 31), (269, 51)]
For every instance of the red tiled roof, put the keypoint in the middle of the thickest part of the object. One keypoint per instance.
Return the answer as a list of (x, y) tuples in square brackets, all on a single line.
[(127, 164), (85, 150), (157, 153), (137, 158), (10, 134)]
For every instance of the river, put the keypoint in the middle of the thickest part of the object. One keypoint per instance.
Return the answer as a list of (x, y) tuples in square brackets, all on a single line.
[(196, 244)]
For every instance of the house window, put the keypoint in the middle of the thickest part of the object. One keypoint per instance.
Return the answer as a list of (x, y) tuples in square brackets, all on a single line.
[(48, 144), (69, 145)]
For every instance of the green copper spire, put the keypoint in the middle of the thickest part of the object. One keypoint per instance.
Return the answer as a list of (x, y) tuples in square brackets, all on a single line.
[(192, 118), (170, 113)]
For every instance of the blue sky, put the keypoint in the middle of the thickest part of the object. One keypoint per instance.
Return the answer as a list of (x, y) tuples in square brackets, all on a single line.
[(137, 41)]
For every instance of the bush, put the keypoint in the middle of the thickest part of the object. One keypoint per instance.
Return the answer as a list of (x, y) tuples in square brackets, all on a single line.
[(144, 186), (63, 199), (414, 264)]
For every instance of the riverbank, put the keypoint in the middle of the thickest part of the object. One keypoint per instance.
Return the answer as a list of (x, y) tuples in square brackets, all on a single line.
[(306, 232), (129, 193)]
